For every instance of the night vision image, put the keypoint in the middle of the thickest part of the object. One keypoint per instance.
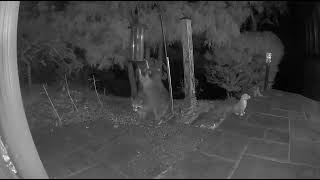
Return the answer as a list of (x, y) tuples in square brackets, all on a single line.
[(160, 89)]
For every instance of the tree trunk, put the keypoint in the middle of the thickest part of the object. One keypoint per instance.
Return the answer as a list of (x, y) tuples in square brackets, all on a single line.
[(132, 80), (189, 80), (14, 128)]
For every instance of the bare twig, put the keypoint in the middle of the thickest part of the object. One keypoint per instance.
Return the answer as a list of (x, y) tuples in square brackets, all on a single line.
[(95, 88), (67, 86), (55, 110)]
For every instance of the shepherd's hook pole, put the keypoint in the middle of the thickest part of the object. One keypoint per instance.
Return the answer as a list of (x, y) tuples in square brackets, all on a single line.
[(167, 62)]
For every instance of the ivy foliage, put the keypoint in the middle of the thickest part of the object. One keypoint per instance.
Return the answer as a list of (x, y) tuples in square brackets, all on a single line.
[(102, 30)]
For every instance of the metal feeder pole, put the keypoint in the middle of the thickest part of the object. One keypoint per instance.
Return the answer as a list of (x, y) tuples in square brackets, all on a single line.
[(167, 62)]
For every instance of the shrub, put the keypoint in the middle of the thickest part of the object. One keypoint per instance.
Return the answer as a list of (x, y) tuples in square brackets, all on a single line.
[(241, 65), (53, 57)]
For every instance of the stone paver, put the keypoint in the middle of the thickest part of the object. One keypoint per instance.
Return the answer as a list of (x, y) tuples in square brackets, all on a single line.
[(144, 166), (273, 140), (255, 168), (268, 121), (122, 150), (305, 152), (268, 149), (286, 104), (279, 112), (186, 141), (233, 124), (196, 165), (55, 170), (73, 162), (95, 146), (99, 171), (301, 128), (276, 135), (258, 105), (60, 143), (226, 145)]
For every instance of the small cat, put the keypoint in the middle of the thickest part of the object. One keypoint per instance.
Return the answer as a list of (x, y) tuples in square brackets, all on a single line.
[(238, 108)]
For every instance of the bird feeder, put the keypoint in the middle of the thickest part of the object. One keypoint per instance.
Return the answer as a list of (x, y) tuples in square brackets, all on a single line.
[(137, 42)]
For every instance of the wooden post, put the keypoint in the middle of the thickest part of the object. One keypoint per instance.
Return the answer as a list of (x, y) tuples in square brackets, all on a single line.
[(187, 46), (14, 128)]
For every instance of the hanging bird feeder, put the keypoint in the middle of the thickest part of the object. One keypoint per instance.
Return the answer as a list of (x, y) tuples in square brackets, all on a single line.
[(137, 42)]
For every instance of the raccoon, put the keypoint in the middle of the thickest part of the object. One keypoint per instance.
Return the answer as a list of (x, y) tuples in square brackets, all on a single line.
[(153, 98), (137, 106)]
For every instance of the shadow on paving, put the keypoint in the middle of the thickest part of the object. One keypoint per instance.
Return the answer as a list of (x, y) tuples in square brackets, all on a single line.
[(273, 140)]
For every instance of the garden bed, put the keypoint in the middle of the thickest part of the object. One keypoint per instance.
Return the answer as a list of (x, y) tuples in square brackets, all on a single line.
[(118, 110)]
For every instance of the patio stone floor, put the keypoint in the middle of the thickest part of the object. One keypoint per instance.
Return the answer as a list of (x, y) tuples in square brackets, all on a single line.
[(274, 140)]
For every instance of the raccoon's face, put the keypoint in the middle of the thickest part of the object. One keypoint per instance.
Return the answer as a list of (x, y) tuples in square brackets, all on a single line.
[(136, 107), (137, 104)]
